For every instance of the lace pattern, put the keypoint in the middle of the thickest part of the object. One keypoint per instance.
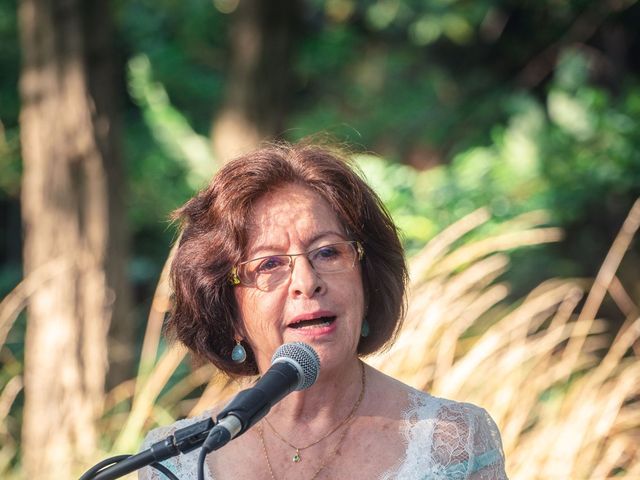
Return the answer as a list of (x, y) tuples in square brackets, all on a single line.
[(448, 440), (445, 440)]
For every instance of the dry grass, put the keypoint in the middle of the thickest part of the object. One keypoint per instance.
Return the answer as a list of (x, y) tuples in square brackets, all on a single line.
[(564, 394), (565, 410)]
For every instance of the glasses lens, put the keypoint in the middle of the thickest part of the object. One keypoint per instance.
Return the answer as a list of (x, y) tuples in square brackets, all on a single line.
[(333, 258), (265, 273)]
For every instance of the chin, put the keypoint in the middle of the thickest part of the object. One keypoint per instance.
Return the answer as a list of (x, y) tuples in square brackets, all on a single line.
[(330, 359)]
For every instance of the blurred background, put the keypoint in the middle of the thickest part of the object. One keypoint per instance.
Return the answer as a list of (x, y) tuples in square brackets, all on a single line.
[(503, 136)]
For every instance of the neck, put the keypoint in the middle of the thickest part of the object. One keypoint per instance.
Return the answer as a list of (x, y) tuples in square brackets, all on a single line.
[(328, 402)]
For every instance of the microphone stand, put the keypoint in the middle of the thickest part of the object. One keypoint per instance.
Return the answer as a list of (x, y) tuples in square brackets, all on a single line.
[(182, 441)]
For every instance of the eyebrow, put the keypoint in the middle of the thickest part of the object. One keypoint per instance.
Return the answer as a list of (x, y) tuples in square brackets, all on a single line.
[(260, 250)]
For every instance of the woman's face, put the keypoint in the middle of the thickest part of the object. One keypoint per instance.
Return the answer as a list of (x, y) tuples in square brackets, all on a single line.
[(324, 310)]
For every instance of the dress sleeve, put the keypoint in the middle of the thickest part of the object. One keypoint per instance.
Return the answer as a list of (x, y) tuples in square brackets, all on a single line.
[(467, 444)]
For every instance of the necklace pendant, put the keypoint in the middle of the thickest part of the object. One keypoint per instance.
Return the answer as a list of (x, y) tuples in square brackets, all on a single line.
[(297, 458)]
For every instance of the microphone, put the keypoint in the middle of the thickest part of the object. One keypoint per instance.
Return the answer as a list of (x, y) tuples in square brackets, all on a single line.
[(294, 366)]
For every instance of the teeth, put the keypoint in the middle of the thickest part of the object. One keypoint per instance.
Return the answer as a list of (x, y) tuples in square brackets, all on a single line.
[(324, 324), (314, 323)]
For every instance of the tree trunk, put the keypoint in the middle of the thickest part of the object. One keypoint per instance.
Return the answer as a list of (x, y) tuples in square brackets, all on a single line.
[(105, 87), (65, 208), (260, 80)]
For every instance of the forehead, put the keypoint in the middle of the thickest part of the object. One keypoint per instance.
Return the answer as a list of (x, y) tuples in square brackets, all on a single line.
[(291, 215)]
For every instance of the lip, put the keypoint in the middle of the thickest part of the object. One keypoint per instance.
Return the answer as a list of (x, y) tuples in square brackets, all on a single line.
[(316, 332), (311, 316)]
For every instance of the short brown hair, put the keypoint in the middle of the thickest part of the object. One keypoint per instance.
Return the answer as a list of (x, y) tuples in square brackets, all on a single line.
[(214, 237)]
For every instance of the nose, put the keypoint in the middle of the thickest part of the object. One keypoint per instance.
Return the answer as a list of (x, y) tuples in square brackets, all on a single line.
[(305, 281)]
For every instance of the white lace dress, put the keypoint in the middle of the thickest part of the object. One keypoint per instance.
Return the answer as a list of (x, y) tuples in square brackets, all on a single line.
[(445, 440)]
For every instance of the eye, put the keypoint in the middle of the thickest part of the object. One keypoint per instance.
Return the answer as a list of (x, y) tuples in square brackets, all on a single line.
[(328, 252), (269, 264)]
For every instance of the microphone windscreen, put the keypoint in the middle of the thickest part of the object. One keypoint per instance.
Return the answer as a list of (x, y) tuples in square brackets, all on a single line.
[(304, 358)]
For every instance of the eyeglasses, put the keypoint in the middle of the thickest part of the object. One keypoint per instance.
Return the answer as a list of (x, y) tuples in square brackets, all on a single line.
[(266, 273)]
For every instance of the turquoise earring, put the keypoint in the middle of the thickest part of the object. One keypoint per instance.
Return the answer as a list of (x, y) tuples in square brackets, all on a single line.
[(364, 329), (238, 354)]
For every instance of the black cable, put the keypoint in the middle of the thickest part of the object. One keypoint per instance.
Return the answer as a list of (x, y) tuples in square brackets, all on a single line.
[(93, 471), (107, 462), (161, 468), (201, 459), (217, 438)]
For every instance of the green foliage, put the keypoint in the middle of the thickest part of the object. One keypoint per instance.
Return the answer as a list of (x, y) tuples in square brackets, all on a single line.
[(574, 153), (421, 80), (171, 161), (591, 150), (436, 84), (169, 127), (10, 165), (187, 45), (178, 52), (10, 168)]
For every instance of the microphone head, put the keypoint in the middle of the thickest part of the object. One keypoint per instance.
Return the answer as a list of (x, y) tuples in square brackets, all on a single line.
[(303, 358)]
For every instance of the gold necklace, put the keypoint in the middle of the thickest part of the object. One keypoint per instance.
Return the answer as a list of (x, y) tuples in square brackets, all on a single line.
[(333, 453), (296, 457), (322, 465)]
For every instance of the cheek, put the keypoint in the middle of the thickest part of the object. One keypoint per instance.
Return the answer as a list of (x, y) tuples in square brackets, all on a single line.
[(247, 302), (354, 294), (254, 309), (359, 290)]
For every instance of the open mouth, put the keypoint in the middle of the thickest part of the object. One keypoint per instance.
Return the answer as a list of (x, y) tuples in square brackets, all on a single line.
[(314, 323)]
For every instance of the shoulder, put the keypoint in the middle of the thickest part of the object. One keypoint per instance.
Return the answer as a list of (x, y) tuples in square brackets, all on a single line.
[(452, 440), (183, 465), (464, 420)]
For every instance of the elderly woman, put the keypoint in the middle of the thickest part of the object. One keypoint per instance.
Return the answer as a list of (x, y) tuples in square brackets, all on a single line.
[(288, 244)]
